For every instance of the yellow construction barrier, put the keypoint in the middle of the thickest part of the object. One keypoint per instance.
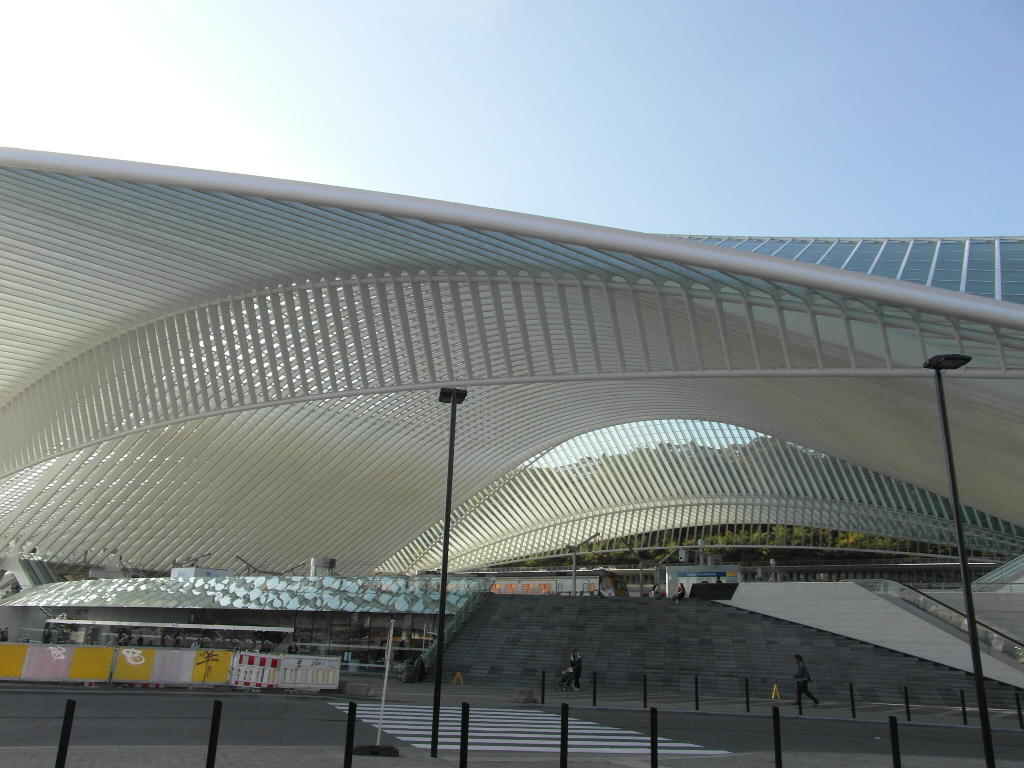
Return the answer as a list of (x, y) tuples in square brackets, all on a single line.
[(90, 664), (775, 691), (134, 665), (12, 660), (212, 667), (71, 663), (165, 666)]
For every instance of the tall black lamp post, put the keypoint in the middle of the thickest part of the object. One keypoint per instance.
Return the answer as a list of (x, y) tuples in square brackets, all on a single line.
[(453, 396), (940, 363)]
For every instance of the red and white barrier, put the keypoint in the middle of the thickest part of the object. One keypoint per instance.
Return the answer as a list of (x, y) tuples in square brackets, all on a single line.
[(254, 670)]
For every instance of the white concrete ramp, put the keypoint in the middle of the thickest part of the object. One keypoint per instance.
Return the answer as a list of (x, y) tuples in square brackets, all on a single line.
[(847, 609)]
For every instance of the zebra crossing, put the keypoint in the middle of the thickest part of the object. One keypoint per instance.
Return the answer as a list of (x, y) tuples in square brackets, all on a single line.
[(505, 730)]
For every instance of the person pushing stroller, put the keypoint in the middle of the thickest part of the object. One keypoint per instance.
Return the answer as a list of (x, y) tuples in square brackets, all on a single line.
[(576, 665), (565, 680)]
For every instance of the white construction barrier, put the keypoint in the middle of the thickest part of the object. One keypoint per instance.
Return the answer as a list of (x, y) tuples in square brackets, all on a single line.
[(312, 672), (261, 670)]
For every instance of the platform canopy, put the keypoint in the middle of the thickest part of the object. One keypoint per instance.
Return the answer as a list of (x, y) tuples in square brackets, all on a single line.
[(207, 365)]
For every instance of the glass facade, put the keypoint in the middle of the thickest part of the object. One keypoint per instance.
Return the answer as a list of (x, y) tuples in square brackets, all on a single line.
[(311, 615), (992, 267)]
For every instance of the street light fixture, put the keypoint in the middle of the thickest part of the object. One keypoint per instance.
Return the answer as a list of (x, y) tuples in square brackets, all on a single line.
[(455, 397), (575, 551), (951, 362)]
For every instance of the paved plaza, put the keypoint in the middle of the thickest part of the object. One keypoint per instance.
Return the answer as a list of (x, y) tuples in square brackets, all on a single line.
[(170, 728)]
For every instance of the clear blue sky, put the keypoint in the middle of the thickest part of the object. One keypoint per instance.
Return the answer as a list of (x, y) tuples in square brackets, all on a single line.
[(784, 117)]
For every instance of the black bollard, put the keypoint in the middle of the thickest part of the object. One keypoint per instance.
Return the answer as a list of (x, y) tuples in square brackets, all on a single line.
[(211, 748), (906, 702), (746, 691), (65, 733), (645, 690), (853, 705), (696, 692), (543, 685), (963, 706), (894, 741), (654, 737), (350, 733), (593, 688), (464, 736), (563, 744), (1020, 715), (777, 737)]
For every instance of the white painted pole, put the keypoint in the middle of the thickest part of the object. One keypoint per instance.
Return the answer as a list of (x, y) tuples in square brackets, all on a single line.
[(574, 572), (387, 670)]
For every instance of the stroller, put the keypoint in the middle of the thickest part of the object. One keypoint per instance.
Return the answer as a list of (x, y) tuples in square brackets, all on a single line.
[(565, 680)]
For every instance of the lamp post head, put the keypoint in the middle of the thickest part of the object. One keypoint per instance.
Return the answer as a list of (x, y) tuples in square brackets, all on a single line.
[(947, 362), (459, 394)]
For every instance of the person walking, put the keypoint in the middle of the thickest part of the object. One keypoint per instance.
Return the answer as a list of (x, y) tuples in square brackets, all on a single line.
[(576, 662), (802, 677)]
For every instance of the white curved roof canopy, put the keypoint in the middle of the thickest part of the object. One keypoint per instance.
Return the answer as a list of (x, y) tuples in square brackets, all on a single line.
[(203, 362), (684, 481)]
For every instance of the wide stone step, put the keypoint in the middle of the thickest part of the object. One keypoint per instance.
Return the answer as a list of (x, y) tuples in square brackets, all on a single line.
[(512, 638)]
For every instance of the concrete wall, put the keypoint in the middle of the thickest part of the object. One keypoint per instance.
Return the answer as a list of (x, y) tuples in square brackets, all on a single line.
[(852, 611)]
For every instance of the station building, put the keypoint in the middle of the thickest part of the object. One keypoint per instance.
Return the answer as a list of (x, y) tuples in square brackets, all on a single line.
[(241, 373)]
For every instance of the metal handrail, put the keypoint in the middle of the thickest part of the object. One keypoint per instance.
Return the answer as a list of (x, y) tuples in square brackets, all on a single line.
[(998, 586), (459, 620), (997, 641), (1007, 573)]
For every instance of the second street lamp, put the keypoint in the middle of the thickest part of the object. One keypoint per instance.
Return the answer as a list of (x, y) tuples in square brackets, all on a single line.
[(940, 363)]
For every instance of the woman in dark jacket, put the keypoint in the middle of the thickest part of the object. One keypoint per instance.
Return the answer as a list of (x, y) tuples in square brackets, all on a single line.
[(802, 677)]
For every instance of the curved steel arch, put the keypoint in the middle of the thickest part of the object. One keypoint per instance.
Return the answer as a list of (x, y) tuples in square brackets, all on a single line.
[(149, 313), (673, 475), (393, 333)]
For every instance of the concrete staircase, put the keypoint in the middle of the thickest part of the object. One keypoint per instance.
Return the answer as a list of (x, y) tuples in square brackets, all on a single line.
[(511, 639)]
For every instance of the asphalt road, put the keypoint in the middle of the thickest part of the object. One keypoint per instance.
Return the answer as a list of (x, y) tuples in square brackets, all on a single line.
[(141, 718), (750, 733)]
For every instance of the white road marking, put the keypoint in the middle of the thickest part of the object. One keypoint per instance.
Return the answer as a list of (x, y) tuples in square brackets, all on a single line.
[(504, 730)]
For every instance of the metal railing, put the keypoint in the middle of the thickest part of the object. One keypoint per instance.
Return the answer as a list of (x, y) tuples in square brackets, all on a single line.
[(458, 621), (1002, 579), (996, 641)]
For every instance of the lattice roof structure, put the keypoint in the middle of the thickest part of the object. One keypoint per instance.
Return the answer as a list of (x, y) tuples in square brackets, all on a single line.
[(204, 362)]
